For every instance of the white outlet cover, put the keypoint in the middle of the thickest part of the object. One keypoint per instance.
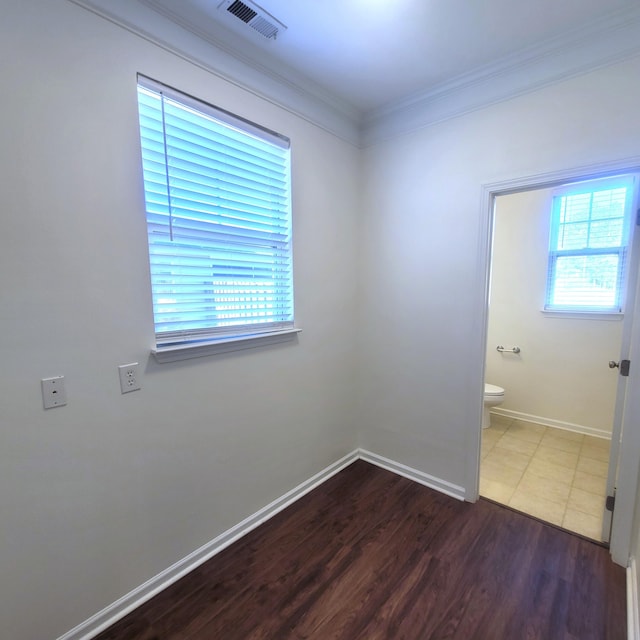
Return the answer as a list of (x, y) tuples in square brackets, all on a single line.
[(54, 393), (129, 377)]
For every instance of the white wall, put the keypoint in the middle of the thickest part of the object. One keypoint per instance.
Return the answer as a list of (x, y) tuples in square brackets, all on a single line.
[(561, 374), (103, 494), (422, 335), (100, 495)]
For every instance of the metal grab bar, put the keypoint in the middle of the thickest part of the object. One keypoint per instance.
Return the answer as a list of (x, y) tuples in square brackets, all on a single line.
[(501, 349)]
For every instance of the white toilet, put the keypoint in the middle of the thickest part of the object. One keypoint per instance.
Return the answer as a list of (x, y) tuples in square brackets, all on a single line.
[(493, 396)]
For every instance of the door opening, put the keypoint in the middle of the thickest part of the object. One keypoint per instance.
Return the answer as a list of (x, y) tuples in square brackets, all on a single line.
[(552, 450)]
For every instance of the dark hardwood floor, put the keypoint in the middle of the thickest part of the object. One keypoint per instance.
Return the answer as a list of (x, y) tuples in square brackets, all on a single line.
[(371, 555)]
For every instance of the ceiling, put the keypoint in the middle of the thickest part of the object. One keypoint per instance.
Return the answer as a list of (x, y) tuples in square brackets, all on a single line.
[(371, 54)]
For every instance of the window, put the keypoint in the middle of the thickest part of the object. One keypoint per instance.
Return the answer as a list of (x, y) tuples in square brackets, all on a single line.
[(588, 249), (217, 192)]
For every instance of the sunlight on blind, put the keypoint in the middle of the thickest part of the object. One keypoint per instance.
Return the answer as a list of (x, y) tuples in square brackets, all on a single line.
[(588, 248), (218, 220)]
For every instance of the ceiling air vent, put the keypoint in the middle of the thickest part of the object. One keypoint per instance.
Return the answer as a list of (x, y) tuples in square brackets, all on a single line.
[(254, 16)]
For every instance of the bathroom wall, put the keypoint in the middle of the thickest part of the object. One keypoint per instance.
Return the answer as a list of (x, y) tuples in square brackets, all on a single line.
[(561, 374)]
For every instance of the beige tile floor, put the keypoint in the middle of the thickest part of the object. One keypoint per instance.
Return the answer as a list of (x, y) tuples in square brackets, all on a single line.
[(556, 475)]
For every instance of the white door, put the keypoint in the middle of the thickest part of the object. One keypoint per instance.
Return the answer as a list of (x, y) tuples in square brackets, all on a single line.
[(621, 368)]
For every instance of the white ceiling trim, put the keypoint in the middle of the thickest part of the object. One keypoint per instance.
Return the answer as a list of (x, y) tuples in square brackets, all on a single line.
[(297, 96), (598, 44)]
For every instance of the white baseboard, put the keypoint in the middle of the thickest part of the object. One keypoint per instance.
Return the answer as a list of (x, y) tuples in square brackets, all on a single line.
[(132, 600), (633, 614), (432, 482), (114, 612), (550, 422)]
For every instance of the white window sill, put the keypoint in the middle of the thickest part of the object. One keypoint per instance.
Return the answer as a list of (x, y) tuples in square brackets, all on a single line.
[(225, 345), (582, 315)]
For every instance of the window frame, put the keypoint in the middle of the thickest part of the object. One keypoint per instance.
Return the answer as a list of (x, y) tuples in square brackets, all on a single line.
[(622, 251), (215, 335)]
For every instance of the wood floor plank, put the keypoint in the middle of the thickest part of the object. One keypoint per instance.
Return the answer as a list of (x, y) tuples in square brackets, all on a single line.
[(300, 579), (373, 556)]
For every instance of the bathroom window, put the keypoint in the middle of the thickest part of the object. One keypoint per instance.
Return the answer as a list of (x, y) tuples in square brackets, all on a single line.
[(217, 191), (588, 248)]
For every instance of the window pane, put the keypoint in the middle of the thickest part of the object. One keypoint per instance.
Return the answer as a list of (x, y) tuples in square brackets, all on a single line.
[(573, 236), (589, 281), (606, 233), (609, 204), (575, 208)]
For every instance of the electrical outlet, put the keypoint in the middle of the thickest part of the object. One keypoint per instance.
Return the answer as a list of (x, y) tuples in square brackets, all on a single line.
[(53, 392), (129, 377)]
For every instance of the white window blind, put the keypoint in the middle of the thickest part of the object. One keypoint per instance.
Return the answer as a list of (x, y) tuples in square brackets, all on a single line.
[(589, 239), (217, 191)]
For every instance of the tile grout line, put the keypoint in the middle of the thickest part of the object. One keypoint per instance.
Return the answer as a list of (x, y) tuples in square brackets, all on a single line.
[(565, 502), (525, 469)]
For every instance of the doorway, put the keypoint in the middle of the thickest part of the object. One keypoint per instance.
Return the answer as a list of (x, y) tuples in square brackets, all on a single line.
[(547, 451)]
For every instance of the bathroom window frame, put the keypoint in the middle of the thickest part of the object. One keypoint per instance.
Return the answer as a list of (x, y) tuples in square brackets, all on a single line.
[(621, 250)]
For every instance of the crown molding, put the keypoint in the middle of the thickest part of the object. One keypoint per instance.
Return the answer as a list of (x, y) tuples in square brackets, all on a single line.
[(600, 43), (293, 93), (221, 37)]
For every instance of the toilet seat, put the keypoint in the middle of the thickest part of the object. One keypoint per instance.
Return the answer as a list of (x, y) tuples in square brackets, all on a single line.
[(493, 390)]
